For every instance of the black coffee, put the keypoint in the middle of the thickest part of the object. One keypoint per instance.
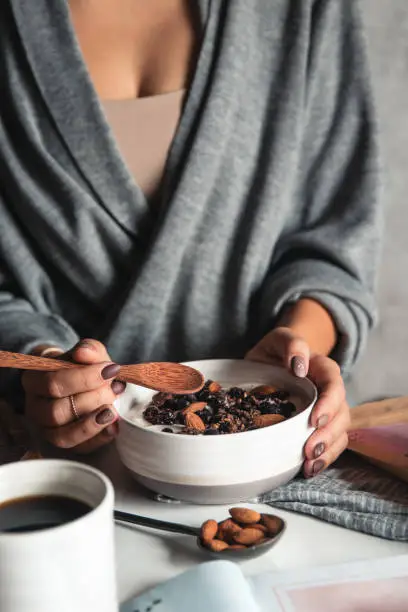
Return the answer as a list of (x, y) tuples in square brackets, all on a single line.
[(39, 512)]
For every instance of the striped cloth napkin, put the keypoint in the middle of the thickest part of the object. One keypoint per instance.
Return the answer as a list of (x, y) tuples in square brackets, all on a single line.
[(353, 494)]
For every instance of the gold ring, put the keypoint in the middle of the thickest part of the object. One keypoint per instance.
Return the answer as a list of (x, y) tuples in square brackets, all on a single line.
[(74, 408)]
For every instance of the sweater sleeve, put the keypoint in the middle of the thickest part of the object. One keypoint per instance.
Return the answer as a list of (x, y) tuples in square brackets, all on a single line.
[(22, 328), (333, 256)]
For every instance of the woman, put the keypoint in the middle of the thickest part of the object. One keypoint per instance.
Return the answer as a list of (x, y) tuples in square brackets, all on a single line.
[(185, 180)]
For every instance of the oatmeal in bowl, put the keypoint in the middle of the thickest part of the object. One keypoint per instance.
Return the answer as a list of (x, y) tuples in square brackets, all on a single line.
[(218, 411)]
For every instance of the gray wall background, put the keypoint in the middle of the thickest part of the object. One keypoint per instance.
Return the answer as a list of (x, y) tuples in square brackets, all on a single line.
[(383, 371)]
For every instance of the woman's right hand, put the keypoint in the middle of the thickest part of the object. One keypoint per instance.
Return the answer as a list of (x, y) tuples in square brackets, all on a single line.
[(90, 388)]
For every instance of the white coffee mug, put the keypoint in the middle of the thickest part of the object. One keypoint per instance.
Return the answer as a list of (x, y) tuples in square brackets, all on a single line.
[(67, 568)]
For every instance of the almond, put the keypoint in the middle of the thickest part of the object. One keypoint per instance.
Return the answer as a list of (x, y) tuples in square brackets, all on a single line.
[(217, 545), (273, 523), (263, 390), (214, 387), (245, 515), (248, 536), (259, 526), (208, 530), (226, 530), (195, 407), (264, 420), (193, 421)]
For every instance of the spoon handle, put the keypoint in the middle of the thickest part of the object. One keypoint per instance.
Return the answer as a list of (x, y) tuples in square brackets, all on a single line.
[(144, 521), (160, 376), (31, 362)]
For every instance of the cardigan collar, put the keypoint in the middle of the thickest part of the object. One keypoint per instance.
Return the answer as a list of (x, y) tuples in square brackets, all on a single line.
[(65, 85)]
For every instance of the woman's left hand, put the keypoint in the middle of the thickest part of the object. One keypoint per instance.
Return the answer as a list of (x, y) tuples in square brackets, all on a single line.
[(331, 414)]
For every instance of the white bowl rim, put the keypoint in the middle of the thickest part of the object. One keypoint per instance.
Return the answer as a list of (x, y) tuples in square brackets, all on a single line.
[(253, 432)]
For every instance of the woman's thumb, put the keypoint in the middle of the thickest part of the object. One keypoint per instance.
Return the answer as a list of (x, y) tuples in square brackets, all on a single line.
[(90, 351)]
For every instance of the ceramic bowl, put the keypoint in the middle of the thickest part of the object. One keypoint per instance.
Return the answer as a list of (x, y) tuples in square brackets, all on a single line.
[(217, 469)]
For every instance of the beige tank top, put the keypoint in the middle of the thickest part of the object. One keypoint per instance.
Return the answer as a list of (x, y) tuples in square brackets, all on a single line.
[(144, 129)]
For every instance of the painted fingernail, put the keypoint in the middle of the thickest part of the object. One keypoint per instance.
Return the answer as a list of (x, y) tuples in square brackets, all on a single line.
[(319, 450), (322, 421), (111, 430), (298, 366), (110, 371), (317, 467), (118, 387), (105, 416), (88, 344)]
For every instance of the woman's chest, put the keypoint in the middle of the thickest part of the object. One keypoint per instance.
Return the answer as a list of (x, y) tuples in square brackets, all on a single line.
[(134, 49)]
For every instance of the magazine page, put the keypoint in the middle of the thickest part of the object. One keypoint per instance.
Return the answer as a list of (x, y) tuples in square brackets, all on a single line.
[(379, 585), (217, 586)]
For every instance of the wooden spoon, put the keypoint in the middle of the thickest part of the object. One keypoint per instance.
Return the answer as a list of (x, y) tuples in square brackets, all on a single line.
[(159, 376)]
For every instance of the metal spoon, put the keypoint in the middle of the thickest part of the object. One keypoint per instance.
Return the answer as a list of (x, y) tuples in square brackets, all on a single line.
[(240, 554), (160, 376)]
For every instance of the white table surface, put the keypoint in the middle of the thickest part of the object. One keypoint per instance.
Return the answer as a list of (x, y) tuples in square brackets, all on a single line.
[(145, 557)]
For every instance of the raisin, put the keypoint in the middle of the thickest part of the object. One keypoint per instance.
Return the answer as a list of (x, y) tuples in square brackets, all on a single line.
[(224, 427), (260, 397), (190, 398), (281, 394), (168, 418), (179, 418), (265, 407), (182, 403), (286, 409), (167, 430), (205, 415), (215, 401), (203, 395), (236, 393), (211, 432), (151, 414)]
